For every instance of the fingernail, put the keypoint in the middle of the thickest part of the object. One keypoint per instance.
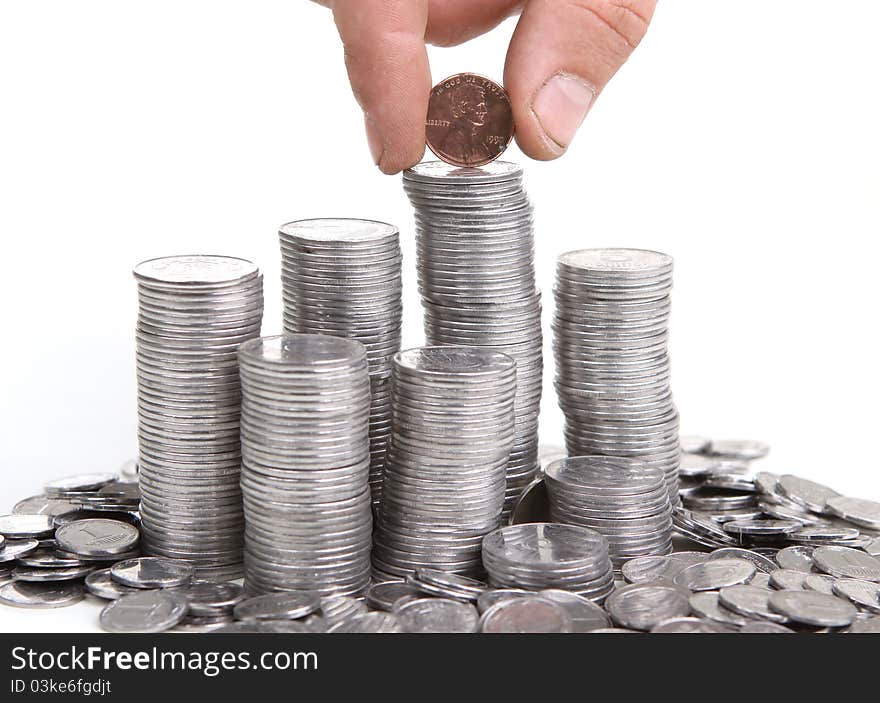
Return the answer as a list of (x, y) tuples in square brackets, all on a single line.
[(374, 140), (561, 105)]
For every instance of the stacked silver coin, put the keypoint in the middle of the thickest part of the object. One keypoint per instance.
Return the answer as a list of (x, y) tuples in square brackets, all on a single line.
[(305, 464), (612, 366), (452, 429), (626, 502), (194, 312), (537, 556), (475, 248), (342, 277)]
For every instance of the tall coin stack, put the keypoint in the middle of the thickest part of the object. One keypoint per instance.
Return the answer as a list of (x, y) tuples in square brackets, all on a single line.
[(445, 477), (622, 500), (342, 277), (194, 312), (475, 243), (612, 366), (305, 464)]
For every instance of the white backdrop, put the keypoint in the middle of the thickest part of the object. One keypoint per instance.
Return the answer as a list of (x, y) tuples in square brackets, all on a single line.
[(741, 138)]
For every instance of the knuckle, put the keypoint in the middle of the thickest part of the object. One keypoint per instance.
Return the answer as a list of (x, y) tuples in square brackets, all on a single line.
[(625, 22)]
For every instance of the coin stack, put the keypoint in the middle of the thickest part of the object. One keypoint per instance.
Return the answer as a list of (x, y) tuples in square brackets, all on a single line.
[(612, 365), (452, 429), (622, 500), (341, 277), (194, 312), (305, 464), (536, 556), (477, 281)]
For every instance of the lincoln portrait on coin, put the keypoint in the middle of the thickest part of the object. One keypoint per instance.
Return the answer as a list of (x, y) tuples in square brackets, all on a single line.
[(469, 113)]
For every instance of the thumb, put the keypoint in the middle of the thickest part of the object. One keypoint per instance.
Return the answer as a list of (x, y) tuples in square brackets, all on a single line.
[(562, 54)]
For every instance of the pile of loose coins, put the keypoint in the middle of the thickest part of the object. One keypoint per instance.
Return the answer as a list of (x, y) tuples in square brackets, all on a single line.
[(80, 540), (476, 272)]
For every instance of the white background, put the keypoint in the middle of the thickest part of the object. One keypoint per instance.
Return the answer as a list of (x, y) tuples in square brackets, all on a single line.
[(741, 138)]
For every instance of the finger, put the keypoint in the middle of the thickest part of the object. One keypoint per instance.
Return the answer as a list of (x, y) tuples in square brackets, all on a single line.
[(388, 67), (562, 54), (452, 22)]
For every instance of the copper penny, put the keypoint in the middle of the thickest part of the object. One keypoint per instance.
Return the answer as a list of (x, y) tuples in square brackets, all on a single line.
[(470, 121)]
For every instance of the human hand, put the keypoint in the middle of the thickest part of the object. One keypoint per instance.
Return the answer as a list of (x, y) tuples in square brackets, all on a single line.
[(562, 54)]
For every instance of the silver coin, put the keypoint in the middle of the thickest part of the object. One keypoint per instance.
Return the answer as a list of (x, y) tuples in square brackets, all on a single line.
[(706, 605), (528, 614), (698, 465), (152, 572), (863, 594), (97, 537), (42, 505), (694, 444), (493, 596), (21, 594), (145, 611), (744, 449), (797, 558), (715, 574), (50, 575), (208, 598), (867, 626), (688, 626), (585, 615), (856, 510), (788, 580), (809, 494), (761, 527), (813, 608), (336, 609), (22, 526), (99, 583), (759, 561), (278, 606), (11, 550), (436, 615), (643, 606), (756, 627), (446, 585), (369, 623), (47, 558), (749, 601), (874, 547), (819, 582), (80, 483), (843, 562), (384, 595), (196, 625)]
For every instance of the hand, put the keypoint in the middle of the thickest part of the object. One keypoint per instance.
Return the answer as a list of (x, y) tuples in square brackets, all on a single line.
[(562, 54)]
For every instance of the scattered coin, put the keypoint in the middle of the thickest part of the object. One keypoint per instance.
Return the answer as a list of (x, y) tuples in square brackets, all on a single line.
[(760, 562), (83, 483), (211, 598), (643, 606), (470, 120), (335, 609), (749, 601), (99, 583), (744, 449), (43, 574), (715, 574), (436, 615), (585, 615), (690, 626), (823, 534), (494, 596), (811, 495), (863, 594), (152, 572), (385, 594), (788, 579), (446, 585), (694, 444), (813, 608), (526, 615), (866, 626), (145, 611), (757, 627), (369, 623), (45, 558), (706, 604), (97, 538), (856, 510), (42, 505), (14, 549), (21, 526), (798, 558), (844, 562), (278, 606), (820, 583), (22, 594)]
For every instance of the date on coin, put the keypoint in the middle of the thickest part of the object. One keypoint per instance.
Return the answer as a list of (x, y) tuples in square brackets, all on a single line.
[(470, 121)]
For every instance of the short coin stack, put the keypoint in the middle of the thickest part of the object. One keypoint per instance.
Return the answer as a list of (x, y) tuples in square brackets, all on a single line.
[(626, 502), (536, 556), (452, 429), (475, 243), (194, 312), (341, 277), (305, 464), (612, 365)]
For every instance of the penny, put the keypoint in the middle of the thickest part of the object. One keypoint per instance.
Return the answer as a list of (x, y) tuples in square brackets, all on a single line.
[(152, 572), (21, 594), (813, 608), (470, 120), (643, 606), (145, 611), (844, 562), (97, 538), (530, 614), (22, 526), (278, 606)]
